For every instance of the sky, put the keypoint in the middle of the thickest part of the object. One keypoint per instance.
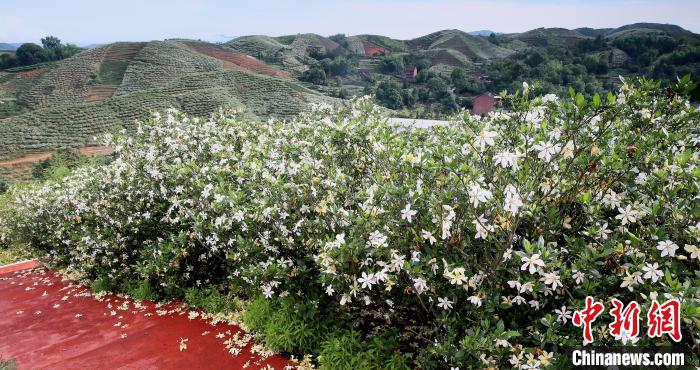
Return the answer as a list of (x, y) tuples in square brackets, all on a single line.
[(94, 21)]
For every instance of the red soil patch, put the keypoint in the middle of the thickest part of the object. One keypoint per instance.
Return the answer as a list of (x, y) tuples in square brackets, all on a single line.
[(372, 49), (237, 61), (101, 92), (96, 150), (49, 322), (37, 157), (32, 73)]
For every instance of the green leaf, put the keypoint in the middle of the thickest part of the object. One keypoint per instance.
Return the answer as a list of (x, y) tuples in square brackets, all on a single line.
[(596, 101), (611, 98)]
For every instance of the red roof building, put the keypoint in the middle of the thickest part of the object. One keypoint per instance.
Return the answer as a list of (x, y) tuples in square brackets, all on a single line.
[(410, 73), (483, 103)]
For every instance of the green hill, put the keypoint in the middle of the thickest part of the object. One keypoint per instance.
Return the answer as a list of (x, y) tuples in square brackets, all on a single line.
[(68, 103)]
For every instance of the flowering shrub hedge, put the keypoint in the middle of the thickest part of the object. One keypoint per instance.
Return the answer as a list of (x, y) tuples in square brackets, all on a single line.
[(471, 243)]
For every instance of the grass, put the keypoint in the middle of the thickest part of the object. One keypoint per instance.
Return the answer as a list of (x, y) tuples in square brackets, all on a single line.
[(9, 108), (112, 71), (14, 253), (286, 326), (8, 364)]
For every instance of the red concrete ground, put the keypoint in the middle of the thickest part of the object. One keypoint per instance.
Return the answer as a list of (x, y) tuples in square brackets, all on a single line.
[(47, 323)]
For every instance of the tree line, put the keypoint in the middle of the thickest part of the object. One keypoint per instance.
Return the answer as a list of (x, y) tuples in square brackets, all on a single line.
[(51, 49)]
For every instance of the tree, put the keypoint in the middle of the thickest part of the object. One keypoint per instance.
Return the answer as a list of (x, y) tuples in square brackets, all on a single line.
[(7, 61), (315, 74), (392, 64), (341, 39), (51, 42), (424, 76), (459, 79), (437, 88), (29, 53), (389, 94)]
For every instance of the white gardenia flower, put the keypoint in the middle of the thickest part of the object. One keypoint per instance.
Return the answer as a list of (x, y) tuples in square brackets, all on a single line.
[(407, 213), (630, 281), (667, 248), (367, 280), (456, 276), (563, 314), (482, 228), (546, 150), (578, 276), (485, 138), (626, 337), (445, 303), (627, 215), (652, 272), (396, 263), (553, 279), (330, 290), (611, 199), (603, 232), (641, 178), (475, 300), (477, 194), (377, 239), (550, 98), (447, 221), (427, 235), (512, 202), (415, 256), (420, 285), (531, 263), (267, 291), (507, 159), (693, 250)]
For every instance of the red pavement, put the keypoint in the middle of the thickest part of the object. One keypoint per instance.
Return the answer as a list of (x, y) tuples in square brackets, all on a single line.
[(48, 323)]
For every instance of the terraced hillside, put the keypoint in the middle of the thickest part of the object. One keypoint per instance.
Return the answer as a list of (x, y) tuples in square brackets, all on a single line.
[(549, 37), (111, 72), (290, 53), (473, 47), (237, 61), (67, 103), (65, 82)]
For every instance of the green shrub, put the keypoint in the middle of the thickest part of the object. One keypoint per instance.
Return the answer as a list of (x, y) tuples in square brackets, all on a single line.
[(287, 325), (467, 245), (8, 364), (210, 299), (349, 351)]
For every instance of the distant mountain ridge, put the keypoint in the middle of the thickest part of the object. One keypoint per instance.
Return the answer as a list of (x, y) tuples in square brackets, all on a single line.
[(484, 33), (9, 46)]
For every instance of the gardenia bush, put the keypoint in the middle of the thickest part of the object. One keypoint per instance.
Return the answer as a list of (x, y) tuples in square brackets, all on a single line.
[(460, 246)]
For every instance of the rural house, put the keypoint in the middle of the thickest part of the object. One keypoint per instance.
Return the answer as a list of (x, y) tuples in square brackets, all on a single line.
[(410, 73), (483, 103)]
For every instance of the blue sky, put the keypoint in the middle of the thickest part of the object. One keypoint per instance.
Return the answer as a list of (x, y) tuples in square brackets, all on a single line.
[(82, 21)]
